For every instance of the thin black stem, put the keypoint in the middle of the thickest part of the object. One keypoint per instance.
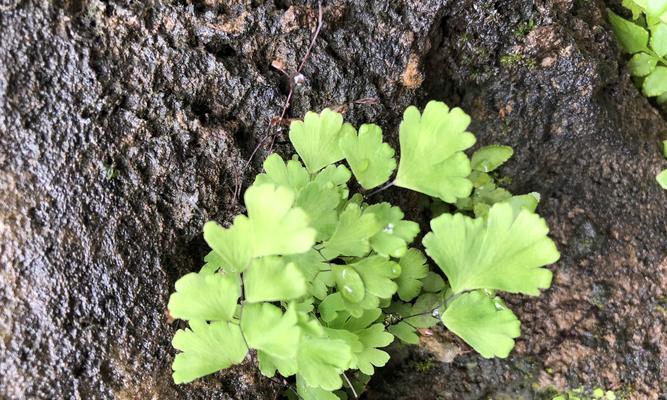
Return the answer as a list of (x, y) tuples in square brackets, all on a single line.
[(381, 189), (286, 105)]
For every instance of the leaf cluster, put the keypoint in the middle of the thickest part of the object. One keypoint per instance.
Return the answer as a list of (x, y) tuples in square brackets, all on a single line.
[(315, 281), (644, 37)]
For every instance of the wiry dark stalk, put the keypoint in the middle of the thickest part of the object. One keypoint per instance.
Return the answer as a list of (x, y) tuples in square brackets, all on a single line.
[(292, 81)]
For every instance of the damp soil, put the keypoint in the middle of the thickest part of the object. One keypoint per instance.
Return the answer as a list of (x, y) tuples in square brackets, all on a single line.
[(125, 125)]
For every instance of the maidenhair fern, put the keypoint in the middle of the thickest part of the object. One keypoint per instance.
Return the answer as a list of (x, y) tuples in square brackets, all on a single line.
[(645, 38), (315, 281)]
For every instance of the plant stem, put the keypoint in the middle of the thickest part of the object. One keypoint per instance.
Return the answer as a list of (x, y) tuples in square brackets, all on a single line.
[(354, 392), (381, 189)]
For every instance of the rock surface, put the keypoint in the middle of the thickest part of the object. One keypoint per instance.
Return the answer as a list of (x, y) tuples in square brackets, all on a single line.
[(125, 125)]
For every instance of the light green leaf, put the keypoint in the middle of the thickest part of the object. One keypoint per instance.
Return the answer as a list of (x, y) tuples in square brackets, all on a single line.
[(656, 7), (404, 332), (432, 159), (662, 179), (433, 282), (655, 83), (661, 99), (334, 177), (632, 6), (313, 393), (269, 364), (421, 314), (664, 148), (377, 273), (633, 37), (478, 320), (396, 233), (481, 210), (498, 252), (331, 305), (267, 329), (413, 269), (488, 158), (318, 274), (352, 324), (371, 160), (206, 348), (352, 234), (320, 204), (271, 279), (316, 138), (659, 39), (349, 283), (371, 338), (213, 262), (208, 297), (322, 360), (525, 201), (233, 245), (292, 175), (278, 228)]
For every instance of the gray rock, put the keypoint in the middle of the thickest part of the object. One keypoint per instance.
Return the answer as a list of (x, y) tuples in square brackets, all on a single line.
[(125, 125)]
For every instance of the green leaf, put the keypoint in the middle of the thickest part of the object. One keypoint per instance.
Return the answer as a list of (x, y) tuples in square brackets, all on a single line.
[(271, 279), (633, 37), (267, 329), (334, 177), (481, 210), (206, 348), (322, 360), (488, 158), (433, 282), (662, 98), (659, 39), (413, 269), (318, 274), (330, 306), (421, 314), (316, 138), (655, 83), (213, 262), (662, 179), (632, 6), (312, 393), (320, 204), (404, 332), (208, 297), (656, 7), (664, 148), (292, 175), (488, 328), (349, 283), (432, 159), (371, 160), (489, 194), (352, 234), (233, 245), (371, 338), (269, 364), (278, 228), (377, 273), (411, 317), (525, 201), (396, 234), (498, 252)]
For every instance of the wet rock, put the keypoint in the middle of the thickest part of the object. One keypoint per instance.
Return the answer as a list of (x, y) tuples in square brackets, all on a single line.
[(176, 96)]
